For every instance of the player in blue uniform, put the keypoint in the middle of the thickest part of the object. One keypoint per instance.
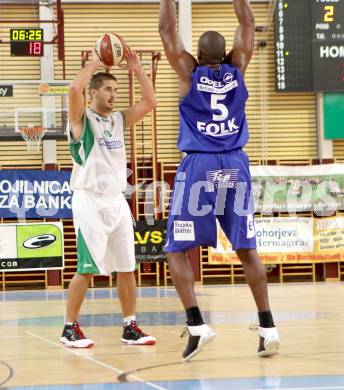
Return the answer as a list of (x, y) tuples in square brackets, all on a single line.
[(213, 180)]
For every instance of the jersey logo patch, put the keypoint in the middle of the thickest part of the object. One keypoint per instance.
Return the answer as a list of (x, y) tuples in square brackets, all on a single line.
[(228, 77), (222, 178), (214, 86), (251, 232), (110, 144), (184, 231)]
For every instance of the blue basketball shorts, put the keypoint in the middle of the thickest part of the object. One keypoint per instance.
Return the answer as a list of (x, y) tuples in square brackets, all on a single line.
[(210, 186)]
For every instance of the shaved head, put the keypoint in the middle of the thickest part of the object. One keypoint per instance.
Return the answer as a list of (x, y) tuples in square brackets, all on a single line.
[(211, 48)]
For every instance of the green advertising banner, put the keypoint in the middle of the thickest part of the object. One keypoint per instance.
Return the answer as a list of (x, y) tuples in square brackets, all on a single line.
[(317, 188), (334, 115), (31, 246)]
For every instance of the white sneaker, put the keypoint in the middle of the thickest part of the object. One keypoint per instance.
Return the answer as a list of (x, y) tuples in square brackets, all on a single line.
[(199, 336), (268, 341)]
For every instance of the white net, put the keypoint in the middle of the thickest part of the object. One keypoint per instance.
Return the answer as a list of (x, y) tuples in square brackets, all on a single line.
[(32, 136)]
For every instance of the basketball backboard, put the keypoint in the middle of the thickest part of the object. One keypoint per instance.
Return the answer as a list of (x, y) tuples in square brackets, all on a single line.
[(33, 103)]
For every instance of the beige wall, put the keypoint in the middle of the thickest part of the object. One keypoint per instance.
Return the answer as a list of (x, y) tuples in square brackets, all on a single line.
[(338, 149), (283, 126)]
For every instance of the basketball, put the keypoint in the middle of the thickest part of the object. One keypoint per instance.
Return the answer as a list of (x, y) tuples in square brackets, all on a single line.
[(110, 49)]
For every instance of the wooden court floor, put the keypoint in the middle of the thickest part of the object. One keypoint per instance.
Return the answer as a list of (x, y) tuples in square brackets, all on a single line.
[(309, 316)]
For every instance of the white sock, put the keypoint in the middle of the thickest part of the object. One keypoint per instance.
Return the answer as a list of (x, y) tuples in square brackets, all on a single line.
[(127, 320), (69, 323)]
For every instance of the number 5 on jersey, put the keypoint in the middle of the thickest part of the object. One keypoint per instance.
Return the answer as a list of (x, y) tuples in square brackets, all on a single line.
[(215, 105)]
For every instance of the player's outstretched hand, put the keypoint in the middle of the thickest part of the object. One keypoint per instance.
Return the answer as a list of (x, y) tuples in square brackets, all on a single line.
[(98, 61), (132, 59)]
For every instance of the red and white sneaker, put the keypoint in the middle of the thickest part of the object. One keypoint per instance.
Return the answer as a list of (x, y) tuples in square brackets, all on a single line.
[(133, 335), (72, 336)]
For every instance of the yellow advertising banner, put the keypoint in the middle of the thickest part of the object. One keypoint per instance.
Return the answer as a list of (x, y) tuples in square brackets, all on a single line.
[(329, 234), (289, 240), (46, 89)]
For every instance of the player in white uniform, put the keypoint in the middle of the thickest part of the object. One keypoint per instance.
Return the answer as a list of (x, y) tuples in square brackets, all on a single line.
[(102, 218)]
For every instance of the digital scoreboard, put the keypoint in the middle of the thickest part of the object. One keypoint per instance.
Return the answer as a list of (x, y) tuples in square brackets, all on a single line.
[(309, 45), (26, 42)]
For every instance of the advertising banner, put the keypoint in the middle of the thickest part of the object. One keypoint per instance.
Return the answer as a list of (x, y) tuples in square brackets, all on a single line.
[(289, 240), (330, 238), (275, 238), (6, 90), (318, 188), (35, 194), (31, 246), (149, 241), (46, 89)]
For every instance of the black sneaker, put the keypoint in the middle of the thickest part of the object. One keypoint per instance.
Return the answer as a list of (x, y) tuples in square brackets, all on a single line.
[(72, 336), (133, 335), (268, 341), (199, 336)]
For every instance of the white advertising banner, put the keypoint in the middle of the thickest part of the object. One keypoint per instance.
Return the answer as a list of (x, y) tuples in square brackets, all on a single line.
[(284, 235)]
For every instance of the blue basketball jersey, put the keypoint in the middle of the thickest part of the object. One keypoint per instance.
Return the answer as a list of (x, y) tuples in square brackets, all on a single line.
[(212, 115)]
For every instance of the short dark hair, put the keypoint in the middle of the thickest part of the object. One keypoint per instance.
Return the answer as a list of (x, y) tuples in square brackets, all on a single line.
[(98, 78), (211, 48)]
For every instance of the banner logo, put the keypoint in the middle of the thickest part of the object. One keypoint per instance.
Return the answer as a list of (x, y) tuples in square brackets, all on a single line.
[(40, 241), (46, 89), (31, 246)]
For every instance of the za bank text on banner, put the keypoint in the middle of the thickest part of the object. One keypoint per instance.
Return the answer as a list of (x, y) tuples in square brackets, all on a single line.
[(35, 194)]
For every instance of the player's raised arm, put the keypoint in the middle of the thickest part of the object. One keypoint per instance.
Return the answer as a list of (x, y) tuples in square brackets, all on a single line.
[(243, 44), (139, 110), (76, 95), (181, 61)]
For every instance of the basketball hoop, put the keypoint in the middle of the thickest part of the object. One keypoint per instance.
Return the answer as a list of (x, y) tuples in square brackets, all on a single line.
[(32, 136)]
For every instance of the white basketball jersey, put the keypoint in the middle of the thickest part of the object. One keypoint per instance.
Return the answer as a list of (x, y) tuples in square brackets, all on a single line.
[(100, 163)]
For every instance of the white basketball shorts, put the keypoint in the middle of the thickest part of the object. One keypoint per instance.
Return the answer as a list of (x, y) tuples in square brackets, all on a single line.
[(104, 231)]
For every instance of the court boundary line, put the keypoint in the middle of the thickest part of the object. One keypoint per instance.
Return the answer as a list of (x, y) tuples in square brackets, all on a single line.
[(10, 373), (303, 388), (138, 379), (93, 360)]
